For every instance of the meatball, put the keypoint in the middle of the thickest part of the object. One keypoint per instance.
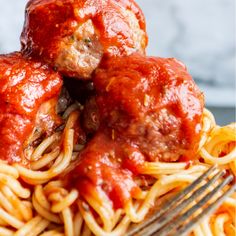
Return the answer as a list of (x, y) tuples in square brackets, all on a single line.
[(74, 35), (151, 103), (90, 116), (28, 97)]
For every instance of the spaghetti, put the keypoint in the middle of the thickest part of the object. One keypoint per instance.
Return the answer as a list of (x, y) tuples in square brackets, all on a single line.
[(149, 135), (50, 208)]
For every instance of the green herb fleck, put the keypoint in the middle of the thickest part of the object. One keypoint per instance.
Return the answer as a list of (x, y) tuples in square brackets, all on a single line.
[(87, 40)]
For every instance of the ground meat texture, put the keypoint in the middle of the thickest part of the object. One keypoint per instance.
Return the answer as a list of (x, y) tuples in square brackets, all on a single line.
[(78, 34), (26, 86), (152, 103), (90, 116)]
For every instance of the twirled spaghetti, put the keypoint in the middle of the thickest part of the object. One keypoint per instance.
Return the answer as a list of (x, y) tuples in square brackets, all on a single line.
[(140, 135), (49, 208)]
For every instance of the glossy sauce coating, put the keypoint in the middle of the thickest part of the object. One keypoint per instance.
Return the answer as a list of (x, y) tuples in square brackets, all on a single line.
[(109, 165), (63, 17), (150, 110), (24, 85), (152, 103)]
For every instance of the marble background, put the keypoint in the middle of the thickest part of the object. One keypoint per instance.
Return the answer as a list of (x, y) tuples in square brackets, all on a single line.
[(201, 33)]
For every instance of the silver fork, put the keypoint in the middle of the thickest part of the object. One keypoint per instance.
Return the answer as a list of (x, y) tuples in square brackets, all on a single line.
[(173, 219)]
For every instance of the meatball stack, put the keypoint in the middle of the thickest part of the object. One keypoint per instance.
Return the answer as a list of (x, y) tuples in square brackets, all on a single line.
[(137, 109), (60, 38), (74, 36), (149, 102)]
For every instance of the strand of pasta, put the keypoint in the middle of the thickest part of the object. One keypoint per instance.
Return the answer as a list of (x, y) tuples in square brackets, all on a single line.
[(25, 212), (219, 224), (46, 213), (15, 209), (5, 231), (102, 205), (170, 172), (53, 198), (30, 227), (198, 231), (52, 233), (157, 190), (205, 226), (45, 160), (161, 168), (68, 221), (44, 176), (62, 160), (38, 152), (54, 203), (93, 225)]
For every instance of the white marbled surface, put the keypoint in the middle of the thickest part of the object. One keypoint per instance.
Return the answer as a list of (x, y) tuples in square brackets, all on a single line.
[(201, 33)]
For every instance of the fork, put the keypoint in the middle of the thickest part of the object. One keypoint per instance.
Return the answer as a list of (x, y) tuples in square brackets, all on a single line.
[(171, 219)]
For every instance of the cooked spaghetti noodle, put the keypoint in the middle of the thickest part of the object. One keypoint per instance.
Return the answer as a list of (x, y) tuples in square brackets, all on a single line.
[(147, 134), (50, 208)]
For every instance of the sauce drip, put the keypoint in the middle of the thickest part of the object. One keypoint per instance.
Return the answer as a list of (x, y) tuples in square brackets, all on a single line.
[(150, 110), (111, 165)]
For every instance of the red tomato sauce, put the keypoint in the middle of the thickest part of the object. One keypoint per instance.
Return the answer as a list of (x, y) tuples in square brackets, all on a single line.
[(24, 85), (133, 130), (63, 17), (110, 165), (149, 101)]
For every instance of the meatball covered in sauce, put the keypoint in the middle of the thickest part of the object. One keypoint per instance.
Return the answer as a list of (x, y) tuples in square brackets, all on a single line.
[(74, 35), (151, 103), (29, 91)]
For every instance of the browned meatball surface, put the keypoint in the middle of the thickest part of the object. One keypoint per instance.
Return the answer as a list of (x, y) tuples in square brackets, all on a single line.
[(29, 92), (74, 35), (151, 103)]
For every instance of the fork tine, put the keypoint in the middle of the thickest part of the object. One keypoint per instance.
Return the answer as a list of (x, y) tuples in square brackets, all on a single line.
[(173, 201), (164, 219), (177, 222), (210, 209)]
